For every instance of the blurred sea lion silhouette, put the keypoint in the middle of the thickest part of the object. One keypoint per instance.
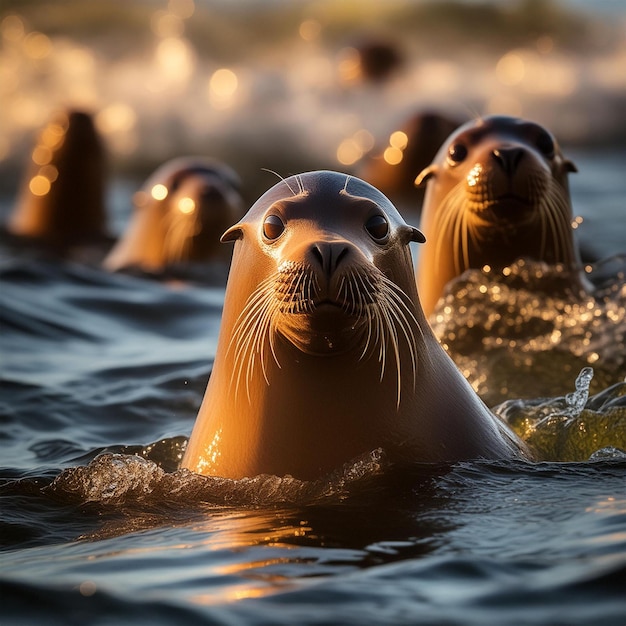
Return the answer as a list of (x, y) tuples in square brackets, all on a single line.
[(410, 149), (61, 203), (496, 191), (179, 216)]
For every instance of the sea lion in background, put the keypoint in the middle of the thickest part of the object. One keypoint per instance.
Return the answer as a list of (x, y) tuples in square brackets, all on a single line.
[(497, 191), (61, 203), (324, 352), (377, 59), (179, 215), (412, 147)]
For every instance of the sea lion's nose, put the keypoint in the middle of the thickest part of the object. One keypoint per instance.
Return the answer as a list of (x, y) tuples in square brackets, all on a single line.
[(327, 256), (508, 158)]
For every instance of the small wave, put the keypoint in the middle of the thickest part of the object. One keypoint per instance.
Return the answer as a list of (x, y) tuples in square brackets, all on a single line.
[(573, 427), (114, 479)]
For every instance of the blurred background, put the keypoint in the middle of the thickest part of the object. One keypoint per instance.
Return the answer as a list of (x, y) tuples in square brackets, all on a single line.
[(292, 85)]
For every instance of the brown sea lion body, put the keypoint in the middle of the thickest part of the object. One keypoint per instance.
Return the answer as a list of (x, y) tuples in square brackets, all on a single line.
[(497, 191), (392, 168), (61, 203), (179, 215), (324, 352)]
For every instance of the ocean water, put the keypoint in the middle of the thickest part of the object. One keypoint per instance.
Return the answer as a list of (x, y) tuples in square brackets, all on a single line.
[(102, 375)]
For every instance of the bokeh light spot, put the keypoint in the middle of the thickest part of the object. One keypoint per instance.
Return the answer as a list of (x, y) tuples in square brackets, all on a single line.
[(398, 139), (159, 192), (117, 117), (50, 172), (37, 45), (12, 28), (349, 152), (42, 154), (186, 205), (511, 69), (310, 30), (222, 88), (182, 8), (393, 155), (39, 185)]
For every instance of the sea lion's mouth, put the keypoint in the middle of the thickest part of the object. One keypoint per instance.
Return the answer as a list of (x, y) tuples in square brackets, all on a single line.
[(507, 208)]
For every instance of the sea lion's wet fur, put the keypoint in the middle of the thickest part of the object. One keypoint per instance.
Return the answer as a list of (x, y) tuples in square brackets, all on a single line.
[(202, 199), (324, 353), (497, 191), (69, 154)]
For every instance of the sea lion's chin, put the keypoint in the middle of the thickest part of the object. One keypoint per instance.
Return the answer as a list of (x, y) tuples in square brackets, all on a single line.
[(504, 211), (328, 331)]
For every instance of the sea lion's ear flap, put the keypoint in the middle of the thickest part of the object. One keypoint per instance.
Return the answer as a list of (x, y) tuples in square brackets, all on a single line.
[(425, 174), (410, 233), (232, 234), (417, 235), (569, 166)]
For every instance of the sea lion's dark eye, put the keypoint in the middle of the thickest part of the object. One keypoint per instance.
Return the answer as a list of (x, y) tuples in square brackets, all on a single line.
[(273, 227), (378, 228), (545, 143), (457, 153)]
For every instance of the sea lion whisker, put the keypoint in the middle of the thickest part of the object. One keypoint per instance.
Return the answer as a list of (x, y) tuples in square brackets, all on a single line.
[(553, 221), (440, 229), (448, 221), (176, 239), (247, 347), (282, 179), (249, 330), (544, 231), (464, 228), (457, 228), (405, 317), (369, 319), (345, 187), (392, 335)]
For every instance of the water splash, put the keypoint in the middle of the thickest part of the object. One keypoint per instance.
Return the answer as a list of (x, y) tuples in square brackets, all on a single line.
[(523, 332), (113, 479), (574, 427), (577, 399)]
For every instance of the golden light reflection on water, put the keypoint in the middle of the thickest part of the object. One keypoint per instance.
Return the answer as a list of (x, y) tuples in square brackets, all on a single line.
[(261, 577)]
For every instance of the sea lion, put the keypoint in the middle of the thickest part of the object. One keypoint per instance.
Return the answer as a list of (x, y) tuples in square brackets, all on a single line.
[(377, 59), (179, 215), (61, 203), (411, 148), (324, 352), (497, 191)]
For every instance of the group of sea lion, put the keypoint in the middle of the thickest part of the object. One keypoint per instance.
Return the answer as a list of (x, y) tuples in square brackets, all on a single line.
[(177, 215), (325, 352)]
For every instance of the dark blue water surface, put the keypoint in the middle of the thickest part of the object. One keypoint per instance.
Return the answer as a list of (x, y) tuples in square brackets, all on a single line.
[(102, 376)]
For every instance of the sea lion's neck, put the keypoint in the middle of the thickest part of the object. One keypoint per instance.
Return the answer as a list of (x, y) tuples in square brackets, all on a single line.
[(315, 413)]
